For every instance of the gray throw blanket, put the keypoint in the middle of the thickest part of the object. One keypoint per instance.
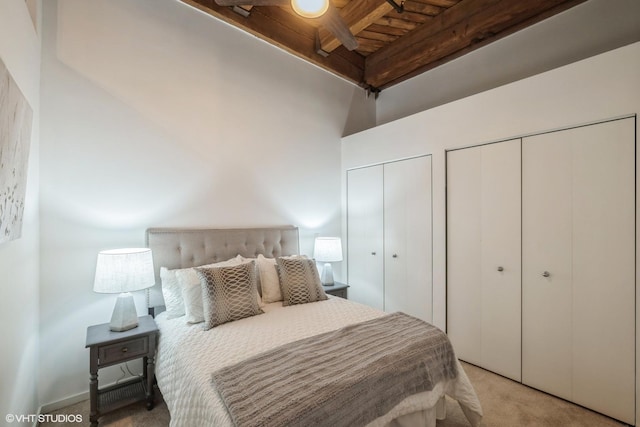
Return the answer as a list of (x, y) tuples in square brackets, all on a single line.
[(347, 377)]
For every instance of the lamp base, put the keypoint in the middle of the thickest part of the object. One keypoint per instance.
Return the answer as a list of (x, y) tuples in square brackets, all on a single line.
[(327, 275), (124, 315)]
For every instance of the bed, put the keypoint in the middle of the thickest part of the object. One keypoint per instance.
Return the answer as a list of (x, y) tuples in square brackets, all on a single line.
[(191, 361)]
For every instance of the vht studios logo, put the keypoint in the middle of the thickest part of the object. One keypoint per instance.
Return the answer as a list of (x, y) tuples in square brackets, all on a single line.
[(43, 418)]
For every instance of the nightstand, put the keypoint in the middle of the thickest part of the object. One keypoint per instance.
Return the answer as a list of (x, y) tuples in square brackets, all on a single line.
[(108, 348), (338, 289)]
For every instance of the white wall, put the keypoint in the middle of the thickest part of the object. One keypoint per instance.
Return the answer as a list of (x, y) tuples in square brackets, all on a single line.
[(585, 30), (154, 114), (602, 87), (20, 52)]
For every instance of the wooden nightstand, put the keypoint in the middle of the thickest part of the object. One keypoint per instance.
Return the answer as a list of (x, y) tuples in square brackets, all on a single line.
[(338, 289), (109, 348)]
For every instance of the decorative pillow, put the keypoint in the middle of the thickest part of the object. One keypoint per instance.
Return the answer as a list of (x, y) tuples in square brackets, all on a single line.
[(299, 280), (228, 293), (269, 279), (192, 291), (171, 293), (257, 275)]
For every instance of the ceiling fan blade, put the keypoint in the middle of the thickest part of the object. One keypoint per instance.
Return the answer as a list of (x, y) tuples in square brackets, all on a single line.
[(333, 22), (252, 2)]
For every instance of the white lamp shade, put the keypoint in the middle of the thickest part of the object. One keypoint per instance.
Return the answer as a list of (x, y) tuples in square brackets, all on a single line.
[(327, 249), (124, 270)]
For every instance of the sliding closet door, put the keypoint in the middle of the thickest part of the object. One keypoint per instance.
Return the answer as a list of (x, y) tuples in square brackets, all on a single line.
[(408, 241), (364, 236), (483, 256), (579, 266)]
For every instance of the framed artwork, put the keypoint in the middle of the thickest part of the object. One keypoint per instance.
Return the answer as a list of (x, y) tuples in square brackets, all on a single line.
[(16, 117)]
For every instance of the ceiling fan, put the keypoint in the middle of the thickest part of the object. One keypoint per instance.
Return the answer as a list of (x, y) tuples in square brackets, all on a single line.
[(322, 10)]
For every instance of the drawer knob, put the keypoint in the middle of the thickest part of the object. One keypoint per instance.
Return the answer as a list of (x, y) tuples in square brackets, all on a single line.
[(500, 269), (546, 274), (125, 349)]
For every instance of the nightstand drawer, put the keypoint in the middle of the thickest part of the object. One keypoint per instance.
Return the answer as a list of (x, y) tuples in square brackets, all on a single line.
[(342, 293), (124, 350), (338, 290)]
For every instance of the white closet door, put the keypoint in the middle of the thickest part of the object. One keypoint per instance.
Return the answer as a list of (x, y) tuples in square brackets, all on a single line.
[(546, 251), (483, 256), (578, 225), (501, 246), (464, 241), (408, 237), (364, 235), (604, 268)]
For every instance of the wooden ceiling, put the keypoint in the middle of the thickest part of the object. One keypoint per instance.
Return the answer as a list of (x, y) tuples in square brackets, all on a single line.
[(392, 46)]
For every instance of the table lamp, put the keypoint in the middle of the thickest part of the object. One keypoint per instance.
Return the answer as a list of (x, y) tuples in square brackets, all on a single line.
[(121, 271), (327, 250)]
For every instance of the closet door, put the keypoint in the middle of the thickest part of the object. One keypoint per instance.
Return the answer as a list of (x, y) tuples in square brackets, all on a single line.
[(364, 236), (579, 266), (408, 237), (483, 256), (546, 251)]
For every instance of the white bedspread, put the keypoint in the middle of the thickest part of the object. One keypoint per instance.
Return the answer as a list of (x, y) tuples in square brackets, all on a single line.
[(187, 356)]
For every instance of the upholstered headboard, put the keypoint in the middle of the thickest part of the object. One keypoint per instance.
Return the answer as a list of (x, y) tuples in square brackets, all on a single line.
[(187, 247)]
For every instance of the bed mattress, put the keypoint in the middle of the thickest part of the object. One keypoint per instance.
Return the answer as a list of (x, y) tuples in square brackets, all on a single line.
[(188, 356)]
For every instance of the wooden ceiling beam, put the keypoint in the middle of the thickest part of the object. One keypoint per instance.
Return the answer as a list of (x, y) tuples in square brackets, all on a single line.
[(426, 9), (440, 3), (460, 29), (358, 15), (288, 32)]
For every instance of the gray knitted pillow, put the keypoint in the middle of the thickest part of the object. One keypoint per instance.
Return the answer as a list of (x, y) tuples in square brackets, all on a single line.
[(299, 280), (228, 293)]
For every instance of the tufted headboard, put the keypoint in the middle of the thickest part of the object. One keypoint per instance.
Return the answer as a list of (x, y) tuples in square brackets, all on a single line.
[(188, 247)]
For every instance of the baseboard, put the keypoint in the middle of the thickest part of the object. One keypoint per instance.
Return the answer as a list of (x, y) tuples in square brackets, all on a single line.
[(71, 400)]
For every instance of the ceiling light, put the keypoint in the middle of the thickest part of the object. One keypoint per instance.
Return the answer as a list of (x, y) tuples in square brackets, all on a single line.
[(310, 8)]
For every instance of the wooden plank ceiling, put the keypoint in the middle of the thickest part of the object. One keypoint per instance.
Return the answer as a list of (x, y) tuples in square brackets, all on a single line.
[(392, 46)]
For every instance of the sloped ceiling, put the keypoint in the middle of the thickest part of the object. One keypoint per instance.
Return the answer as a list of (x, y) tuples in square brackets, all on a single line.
[(396, 41)]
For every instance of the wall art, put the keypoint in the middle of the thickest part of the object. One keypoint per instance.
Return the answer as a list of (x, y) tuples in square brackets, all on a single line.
[(16, 117)]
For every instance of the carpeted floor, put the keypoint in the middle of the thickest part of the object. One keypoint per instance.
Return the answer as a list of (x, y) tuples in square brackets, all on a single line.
[(504, 402)]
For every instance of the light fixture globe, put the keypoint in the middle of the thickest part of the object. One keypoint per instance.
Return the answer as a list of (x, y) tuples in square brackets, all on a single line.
[(310, 8)]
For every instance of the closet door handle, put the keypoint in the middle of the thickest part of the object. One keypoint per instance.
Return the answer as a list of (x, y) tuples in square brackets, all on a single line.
[(500, 269), (373, 253), (395, 255), (546, 274)]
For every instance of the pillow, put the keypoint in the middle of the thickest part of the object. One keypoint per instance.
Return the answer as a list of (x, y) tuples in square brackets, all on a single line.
[(192, 292), (269, 279), (257, 275), (299, 280), (228, 293), (171, 293)]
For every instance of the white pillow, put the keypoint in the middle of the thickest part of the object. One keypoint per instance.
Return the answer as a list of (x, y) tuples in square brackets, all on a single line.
[(269, 279), (192, 290), (172, 293)]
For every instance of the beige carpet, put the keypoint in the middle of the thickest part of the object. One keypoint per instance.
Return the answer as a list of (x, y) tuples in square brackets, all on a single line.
[(504, 402), (508, 403)]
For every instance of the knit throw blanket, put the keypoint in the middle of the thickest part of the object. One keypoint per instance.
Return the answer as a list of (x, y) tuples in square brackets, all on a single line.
[(347, 377)]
